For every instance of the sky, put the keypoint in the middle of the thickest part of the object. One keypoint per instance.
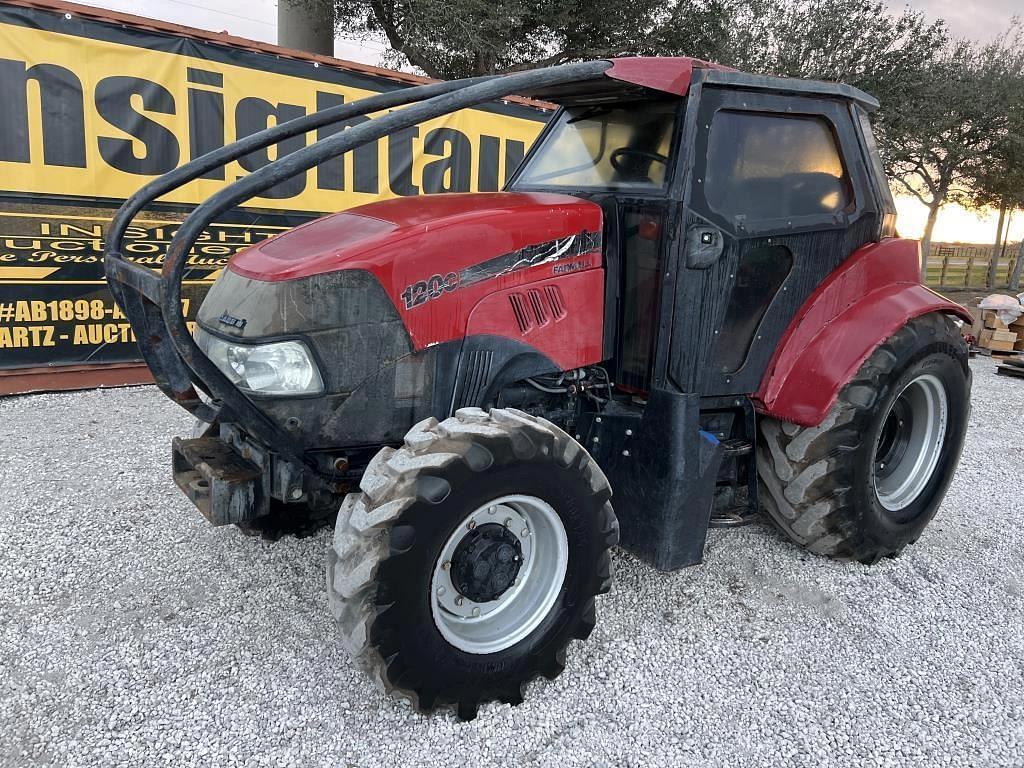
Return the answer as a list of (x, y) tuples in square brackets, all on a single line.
[(257, 20), (976, 19), (254, 19)]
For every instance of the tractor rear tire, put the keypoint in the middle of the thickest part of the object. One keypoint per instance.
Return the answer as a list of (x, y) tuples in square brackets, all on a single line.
[(864, 483), (479, 512)]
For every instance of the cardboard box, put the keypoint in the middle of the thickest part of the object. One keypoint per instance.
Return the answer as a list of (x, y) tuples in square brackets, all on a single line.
[(992, 321), (996, 340), (977, 326), (999, 346)]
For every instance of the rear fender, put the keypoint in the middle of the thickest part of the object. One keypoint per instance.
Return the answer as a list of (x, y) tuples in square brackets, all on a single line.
[(865, 301)]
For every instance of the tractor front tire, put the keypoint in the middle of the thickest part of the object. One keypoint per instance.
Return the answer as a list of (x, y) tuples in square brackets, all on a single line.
[(864, 483), (471, 558)]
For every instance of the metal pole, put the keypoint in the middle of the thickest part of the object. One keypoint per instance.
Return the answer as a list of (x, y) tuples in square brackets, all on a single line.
[(129, 283)]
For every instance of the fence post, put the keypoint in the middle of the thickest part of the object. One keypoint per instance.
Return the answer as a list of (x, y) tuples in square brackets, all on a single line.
[(944, 253), (1018, 262)]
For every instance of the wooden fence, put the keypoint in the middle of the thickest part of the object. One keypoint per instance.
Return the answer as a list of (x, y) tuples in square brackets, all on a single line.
[(960, 265)]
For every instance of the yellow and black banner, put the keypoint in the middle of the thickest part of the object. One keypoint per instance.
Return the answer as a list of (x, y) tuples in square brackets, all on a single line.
[(92, 110)]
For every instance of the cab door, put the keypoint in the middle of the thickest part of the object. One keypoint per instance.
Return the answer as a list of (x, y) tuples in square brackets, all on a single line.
[(775, 200)]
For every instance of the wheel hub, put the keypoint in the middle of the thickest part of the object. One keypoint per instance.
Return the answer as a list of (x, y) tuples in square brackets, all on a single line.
[(910, 444), (486, 563), (894, 439), (499, 574)]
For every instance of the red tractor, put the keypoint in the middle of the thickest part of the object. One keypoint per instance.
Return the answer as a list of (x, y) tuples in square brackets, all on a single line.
[(691, 292)]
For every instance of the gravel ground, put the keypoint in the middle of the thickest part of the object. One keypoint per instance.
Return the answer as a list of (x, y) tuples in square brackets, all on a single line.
[(132, 633)]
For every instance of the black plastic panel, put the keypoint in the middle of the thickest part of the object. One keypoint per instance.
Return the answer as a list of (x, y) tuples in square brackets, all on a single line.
[(759, 277), (663, 470)]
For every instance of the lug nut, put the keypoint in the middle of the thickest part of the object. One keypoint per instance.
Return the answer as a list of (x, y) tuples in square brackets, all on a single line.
[(446, 565), (508, 522), (526, 532), (476, 611), (458, 601), (297, 493), (471, 525), (441, 591)]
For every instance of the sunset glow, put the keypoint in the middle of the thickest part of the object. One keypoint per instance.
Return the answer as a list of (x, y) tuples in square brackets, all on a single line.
[(955, 223)]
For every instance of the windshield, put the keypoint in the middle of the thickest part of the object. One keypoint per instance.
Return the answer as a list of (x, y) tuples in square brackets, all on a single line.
[(605, 147)]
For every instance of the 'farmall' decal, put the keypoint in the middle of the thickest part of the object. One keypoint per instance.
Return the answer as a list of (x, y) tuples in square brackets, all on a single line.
[(531, 256)]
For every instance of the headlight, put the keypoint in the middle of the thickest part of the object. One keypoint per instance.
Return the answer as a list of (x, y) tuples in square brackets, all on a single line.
[(277, 368)]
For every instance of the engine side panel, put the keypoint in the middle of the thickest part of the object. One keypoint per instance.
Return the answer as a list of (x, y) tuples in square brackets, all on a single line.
[(554, 316), (866, 300)]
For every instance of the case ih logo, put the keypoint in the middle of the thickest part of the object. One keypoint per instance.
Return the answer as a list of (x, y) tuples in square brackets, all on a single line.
[(234, 322)]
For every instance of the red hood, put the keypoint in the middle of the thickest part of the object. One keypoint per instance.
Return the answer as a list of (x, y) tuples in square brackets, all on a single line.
[(404, 237), (455, 265), (444, 258)]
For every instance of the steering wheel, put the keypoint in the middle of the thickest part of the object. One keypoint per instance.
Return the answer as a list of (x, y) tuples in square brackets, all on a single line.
[(616, 158)]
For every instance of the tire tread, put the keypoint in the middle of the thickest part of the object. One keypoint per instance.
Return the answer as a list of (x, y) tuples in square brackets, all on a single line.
[(804, 476), (362, 541)]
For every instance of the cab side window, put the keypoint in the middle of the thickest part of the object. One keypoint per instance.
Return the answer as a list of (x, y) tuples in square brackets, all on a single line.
[(763, 166)]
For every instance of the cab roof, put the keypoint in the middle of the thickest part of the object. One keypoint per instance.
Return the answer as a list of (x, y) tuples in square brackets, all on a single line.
[(636, 77)]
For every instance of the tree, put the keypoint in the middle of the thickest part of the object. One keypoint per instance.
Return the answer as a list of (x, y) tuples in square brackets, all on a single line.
[(461, 38), (998, 182), (944, 104), (857, 41), (938, 137)]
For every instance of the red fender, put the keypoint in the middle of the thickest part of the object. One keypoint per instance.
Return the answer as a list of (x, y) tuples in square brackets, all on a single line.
[(864, 302)]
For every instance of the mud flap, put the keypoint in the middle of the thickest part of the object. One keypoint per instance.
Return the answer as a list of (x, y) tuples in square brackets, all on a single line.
[(663, 469)]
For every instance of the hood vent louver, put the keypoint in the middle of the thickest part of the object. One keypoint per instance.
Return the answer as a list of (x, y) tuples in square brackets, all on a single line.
[(519, 309), (537, 307), (554, 297)]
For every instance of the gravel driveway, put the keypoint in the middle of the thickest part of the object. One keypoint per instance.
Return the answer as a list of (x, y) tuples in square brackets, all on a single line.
[(132, 633)]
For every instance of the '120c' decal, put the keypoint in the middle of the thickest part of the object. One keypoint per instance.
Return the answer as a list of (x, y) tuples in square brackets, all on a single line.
[(431, 288)]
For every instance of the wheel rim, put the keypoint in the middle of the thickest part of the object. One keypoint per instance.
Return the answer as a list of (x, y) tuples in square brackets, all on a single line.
[(477, 562), (910, 443)]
